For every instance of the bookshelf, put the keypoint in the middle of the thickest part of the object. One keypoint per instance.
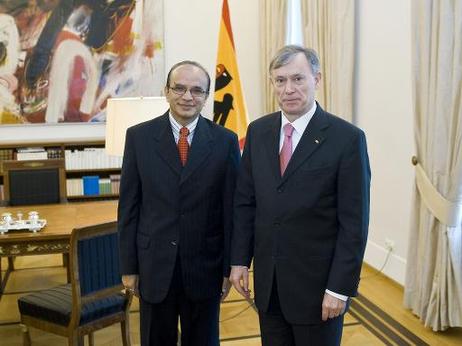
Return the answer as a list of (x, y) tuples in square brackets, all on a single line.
[(89, 173)]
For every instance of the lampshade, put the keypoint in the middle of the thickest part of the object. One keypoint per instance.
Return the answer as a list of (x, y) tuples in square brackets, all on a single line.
[(128, 111)]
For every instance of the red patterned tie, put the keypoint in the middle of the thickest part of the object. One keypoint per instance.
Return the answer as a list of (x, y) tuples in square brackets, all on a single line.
[(286, 151), (183, 145)]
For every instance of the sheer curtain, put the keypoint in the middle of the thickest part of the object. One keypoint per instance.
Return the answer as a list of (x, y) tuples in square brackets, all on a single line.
[(329, 28), (433, 287), (272, 37)]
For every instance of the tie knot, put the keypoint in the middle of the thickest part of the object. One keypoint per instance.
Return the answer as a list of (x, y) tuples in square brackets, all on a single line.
[(184, 132), (288, 130)]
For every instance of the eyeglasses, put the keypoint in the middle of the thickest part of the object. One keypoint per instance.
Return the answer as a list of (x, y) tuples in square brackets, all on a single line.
[(196, 92), (280, 82)]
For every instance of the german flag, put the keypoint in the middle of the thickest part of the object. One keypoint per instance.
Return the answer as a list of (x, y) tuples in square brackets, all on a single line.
[(229, 109)]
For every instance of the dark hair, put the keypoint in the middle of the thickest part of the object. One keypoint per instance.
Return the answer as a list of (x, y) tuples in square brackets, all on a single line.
[(188, 62), (287, 53)]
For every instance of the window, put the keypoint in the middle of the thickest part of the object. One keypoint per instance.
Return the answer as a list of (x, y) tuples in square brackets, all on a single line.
[(294, 32)]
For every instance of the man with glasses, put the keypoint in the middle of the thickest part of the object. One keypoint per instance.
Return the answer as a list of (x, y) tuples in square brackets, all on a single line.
[(175, 214), (301, 210)]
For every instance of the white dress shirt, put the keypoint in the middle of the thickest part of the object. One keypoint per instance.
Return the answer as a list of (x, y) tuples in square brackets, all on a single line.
[(300, 125), (176, 126)]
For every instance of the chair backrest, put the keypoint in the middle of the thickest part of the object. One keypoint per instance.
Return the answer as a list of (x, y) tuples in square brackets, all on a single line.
[(34, 182), (94, 261)]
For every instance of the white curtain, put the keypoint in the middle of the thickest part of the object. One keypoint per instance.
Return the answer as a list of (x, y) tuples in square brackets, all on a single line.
[(272, 38), (433, 287), (329, 28)]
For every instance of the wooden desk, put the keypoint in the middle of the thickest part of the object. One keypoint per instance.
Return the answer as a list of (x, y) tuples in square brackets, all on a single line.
[(55, 236)]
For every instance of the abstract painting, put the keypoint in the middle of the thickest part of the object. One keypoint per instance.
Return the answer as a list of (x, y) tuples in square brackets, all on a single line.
[(60, 60)]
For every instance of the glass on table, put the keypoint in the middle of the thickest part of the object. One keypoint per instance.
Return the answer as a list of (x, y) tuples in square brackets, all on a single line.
[(7, 218), (33, 218)]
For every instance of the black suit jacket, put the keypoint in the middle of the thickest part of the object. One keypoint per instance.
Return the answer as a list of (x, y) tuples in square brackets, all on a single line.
[(308, 227), (165, 208)]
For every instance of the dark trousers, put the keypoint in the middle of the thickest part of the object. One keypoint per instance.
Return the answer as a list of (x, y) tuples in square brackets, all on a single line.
[(198, 320), (276, 331)]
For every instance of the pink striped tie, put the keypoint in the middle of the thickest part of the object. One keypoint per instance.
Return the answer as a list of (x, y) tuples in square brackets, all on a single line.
[(286, 151)]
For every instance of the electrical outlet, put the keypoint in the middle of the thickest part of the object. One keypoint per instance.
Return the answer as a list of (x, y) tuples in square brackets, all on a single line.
[(389, 244)]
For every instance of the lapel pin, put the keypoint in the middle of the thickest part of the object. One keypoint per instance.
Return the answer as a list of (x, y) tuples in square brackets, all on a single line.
[(316, 141)]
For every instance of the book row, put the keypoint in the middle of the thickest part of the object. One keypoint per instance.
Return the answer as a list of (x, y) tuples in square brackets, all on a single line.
[(77, 159), (93, 185), (23, 154), (90, 158)]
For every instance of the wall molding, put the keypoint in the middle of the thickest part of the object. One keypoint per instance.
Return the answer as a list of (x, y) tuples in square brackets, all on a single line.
[(41, 133), (395, 268)]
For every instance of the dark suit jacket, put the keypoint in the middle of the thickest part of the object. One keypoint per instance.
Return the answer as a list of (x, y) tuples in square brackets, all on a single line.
[(309, 227), (165, 208)]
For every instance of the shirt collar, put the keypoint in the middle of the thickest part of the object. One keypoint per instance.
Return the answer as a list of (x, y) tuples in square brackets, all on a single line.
[(176, 126), (302, 122)]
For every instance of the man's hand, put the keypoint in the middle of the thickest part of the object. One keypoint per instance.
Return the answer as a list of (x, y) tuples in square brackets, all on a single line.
[(240, 274), (225, 289), (130, 283), (332, 307)]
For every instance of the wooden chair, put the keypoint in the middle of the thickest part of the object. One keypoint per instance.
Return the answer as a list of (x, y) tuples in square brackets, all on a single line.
[(34, 182), (94, 298)]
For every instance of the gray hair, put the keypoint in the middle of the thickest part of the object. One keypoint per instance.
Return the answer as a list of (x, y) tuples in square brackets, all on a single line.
[(287, 53)]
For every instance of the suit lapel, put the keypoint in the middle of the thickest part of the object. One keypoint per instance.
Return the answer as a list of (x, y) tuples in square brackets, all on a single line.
[(200, 149), (271, 139), (167, 148), (311, 140)]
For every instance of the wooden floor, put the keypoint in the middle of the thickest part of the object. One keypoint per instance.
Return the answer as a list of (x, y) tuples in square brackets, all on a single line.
[(376, 317)]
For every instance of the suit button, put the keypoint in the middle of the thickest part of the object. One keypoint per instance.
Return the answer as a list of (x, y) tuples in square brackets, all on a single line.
[(277, 224), (280, 190), (173, 242)]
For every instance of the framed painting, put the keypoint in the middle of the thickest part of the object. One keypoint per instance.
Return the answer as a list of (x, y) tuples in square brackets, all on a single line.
[(61, 60)]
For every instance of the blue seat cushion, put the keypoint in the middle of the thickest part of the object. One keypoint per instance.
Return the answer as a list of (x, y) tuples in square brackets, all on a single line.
[(55, 305)]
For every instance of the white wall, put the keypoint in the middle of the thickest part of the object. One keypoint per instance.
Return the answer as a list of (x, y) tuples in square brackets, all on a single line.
[(385, 112), (191, 32)]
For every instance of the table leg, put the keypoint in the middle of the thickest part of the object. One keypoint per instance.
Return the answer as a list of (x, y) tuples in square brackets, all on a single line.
[(10, 263), (68, 267), (4, 279)]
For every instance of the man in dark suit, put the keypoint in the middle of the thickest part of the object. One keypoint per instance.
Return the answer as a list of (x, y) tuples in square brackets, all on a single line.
[(175, 214), (301, 210)]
